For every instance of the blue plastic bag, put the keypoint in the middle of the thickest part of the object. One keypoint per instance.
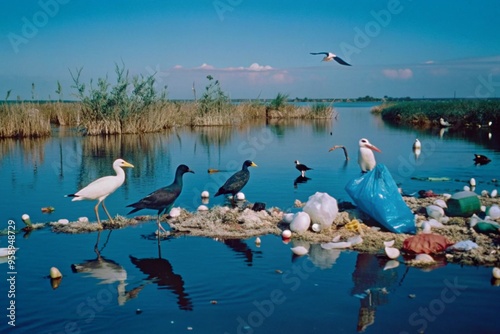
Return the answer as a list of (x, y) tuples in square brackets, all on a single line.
[(376, 194)]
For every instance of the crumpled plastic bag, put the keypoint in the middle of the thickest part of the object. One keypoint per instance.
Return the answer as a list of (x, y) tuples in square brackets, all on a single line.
[(322, 208), (426, 243), (376, 194)]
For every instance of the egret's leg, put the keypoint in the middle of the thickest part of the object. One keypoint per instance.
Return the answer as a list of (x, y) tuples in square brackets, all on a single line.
[(106, 210), (96, 210)]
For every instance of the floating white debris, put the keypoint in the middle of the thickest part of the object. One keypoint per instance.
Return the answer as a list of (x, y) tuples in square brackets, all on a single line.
[(55, 273), (496, 273), (26, 219), (389, 243), (466, 188), (426, 227), (494, 212), (391, 264), (356, 240), (203, 208), (286, 234), (483, 208), (175, 212), (300, 222), (392, 253), (257, 241), (434, 211), (494, 193), (299, 250), (472, 182), (240, 196), (437, 224), (205, 194), (484, 193), (288, 217), (440, 203), (425, 258), (63, 221), (83, 220), (336, 245), (316, 227)]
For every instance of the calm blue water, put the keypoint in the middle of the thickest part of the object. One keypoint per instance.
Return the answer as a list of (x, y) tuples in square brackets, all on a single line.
[(212, 286)]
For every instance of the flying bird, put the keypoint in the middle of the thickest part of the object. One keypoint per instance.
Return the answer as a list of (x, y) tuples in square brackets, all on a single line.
[(237, 181), (330, 56), (366, 158), (103, 187), (301, 168), (162, 199)]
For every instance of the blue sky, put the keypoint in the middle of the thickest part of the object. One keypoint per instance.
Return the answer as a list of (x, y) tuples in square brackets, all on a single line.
[(256, 49)]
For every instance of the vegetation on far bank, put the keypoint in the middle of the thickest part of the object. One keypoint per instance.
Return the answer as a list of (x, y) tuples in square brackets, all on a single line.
[(427, 113), (133, 105)]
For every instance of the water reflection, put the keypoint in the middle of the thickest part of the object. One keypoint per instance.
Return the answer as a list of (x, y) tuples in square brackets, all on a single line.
[(372, 285), (106, 271), (160, 272), (319, 256), (240, 248), (300, 179)]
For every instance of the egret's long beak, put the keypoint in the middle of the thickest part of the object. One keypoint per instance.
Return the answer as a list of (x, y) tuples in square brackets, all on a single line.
[(126, 164)]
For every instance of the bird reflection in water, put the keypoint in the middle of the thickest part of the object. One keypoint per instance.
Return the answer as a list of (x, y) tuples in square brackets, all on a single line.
[(241, 248), (107, 272), (372, 285), (300, 179), (160, 272)]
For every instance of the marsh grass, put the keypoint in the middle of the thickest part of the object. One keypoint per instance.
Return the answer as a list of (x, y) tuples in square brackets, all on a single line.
[(131, 105), (23, 120), (460, 113)]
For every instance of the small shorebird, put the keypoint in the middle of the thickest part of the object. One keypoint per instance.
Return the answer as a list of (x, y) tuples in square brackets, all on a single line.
[(301, 168)]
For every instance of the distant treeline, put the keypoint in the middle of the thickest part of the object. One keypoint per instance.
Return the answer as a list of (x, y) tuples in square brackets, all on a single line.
[(460, 113)]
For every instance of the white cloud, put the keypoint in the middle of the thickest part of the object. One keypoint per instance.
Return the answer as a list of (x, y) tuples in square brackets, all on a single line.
[(402, 74)]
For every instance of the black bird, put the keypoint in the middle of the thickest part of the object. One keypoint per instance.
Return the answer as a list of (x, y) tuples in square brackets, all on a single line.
[(237, 181), (481, 159), (330, 56), (301, 168), (163, 199)]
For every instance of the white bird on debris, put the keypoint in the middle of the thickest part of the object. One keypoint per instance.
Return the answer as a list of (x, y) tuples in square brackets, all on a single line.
[(366, 158), (330, 56), (443, 123), (103, 187)]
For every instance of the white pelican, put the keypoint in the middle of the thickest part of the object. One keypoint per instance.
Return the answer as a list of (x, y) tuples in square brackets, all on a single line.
[(103, 187), (444, 123), (366, 159), (330, 56)]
